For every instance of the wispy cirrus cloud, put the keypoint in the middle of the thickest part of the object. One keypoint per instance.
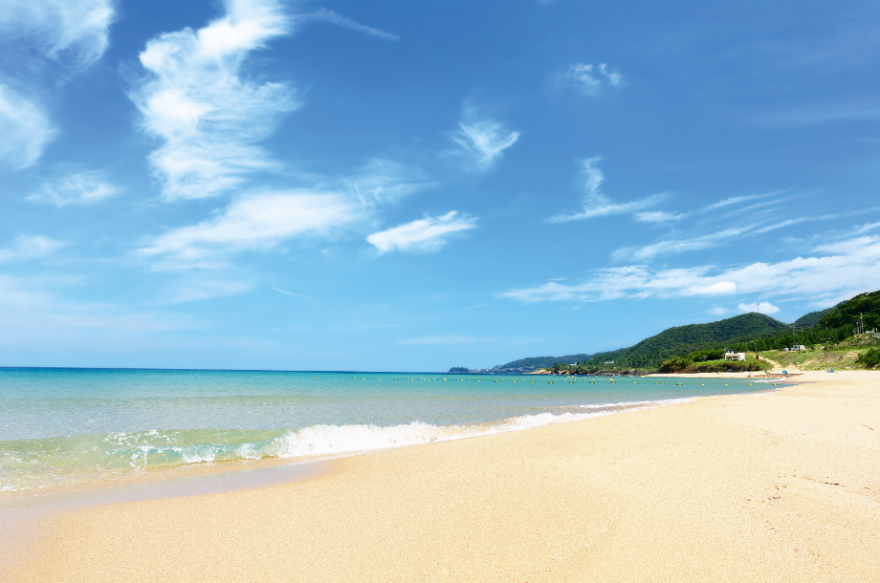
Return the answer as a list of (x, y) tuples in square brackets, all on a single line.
[(75, 31), (658, 217), (28, 247), (70, 35), (196, 99), (85, 187), (482, 141), (590, 79), (834, 271), (259, 222), (322, 14), (421, 236), (203, 289), (674, 246), (25, 129), (596, 203), (752, 224)]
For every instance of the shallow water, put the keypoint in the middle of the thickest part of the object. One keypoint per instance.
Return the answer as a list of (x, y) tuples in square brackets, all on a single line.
[(60, 427)]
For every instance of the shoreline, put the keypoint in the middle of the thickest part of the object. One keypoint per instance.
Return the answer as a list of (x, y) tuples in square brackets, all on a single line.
[(786, 482), (548, 415)]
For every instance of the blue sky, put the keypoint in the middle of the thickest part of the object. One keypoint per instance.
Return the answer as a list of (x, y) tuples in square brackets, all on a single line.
[(397, 185)]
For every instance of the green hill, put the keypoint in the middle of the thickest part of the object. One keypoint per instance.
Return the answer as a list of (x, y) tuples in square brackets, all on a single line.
[(811, 319), (845, 314), (543, 361), (741, 333), (683, 340)]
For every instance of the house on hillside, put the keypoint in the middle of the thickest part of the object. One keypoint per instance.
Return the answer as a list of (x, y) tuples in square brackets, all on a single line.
[(730, 355)]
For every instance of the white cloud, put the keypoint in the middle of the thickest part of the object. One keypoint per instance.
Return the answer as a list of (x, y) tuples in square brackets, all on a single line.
[(202, 289), (80, 188), (332, 17), (597, 204), (837, 270), (657, 217), (27, 247), (484, 141), (73, 30), (24, 128), (673, 246), (253, 222), (590, 79), (382, 181), (734, 200), (196, 100), (760, 307), (719, 237), (421, 236), (717, 311)]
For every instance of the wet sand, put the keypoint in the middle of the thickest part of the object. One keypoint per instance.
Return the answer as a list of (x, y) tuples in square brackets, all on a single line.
[(782, 486)]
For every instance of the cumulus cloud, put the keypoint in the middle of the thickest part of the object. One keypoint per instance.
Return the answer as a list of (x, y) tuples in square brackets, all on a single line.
[(24, 128), (71, 30), (717, 311), (196, 100), (78, 188), (590, 79), (422, 235), (27, 247), (483, 141), (333, 18), (835, 271), (760, 307), (252, 222), (596, 203)]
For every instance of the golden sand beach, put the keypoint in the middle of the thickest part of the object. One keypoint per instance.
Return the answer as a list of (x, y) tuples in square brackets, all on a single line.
[(781, 486)]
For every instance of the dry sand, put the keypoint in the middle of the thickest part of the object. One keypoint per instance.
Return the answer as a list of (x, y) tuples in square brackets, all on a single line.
[(761, 487)]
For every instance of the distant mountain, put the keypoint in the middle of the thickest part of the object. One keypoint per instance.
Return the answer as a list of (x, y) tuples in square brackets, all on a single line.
[(542, 361), (811, 319)]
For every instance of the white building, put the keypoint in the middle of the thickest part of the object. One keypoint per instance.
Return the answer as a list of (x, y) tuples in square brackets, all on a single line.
[(734, 356)]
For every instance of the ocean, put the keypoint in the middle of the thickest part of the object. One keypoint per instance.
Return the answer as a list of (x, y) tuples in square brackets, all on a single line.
[(63, 427)]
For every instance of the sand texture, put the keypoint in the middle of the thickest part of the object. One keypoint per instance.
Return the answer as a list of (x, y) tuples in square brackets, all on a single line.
[(762, 487)]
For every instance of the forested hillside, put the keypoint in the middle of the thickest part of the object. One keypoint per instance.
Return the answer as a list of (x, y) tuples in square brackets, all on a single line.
[(683, 340), (741, 333), (545, 361)]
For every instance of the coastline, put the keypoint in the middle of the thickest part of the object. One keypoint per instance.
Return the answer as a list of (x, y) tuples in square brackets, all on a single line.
[(782, 485)]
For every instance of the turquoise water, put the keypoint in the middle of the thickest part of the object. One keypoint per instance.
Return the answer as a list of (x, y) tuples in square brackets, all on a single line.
[(66, 426)]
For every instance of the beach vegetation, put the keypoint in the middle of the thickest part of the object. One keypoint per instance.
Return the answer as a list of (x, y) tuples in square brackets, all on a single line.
[(870, 358)]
